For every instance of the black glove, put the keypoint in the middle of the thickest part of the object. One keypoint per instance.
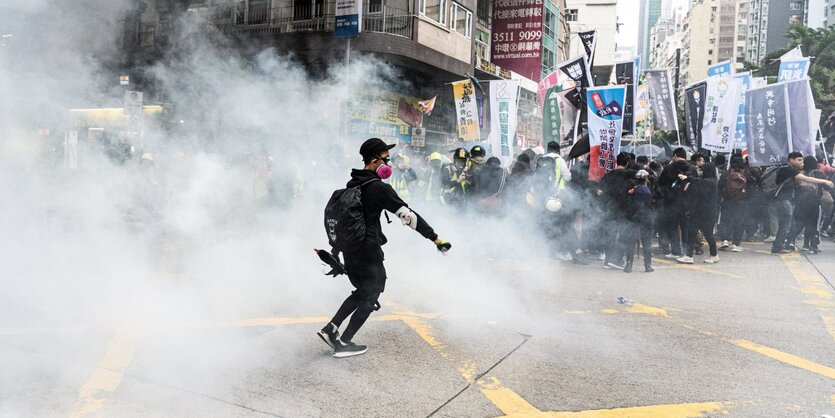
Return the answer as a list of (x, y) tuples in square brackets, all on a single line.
[(333, 261)]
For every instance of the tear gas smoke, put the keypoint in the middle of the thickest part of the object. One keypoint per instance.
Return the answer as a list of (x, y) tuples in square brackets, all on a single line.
[(179, 238)]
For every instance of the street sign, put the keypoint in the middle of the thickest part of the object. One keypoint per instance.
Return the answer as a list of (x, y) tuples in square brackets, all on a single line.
[(133, 103), (418, 138), (347, 19), (124, 80)]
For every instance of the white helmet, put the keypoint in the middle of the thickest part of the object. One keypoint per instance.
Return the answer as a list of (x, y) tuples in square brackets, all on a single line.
[(553, 204)]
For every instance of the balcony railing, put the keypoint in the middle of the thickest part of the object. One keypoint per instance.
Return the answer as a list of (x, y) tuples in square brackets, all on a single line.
[(294, 19)]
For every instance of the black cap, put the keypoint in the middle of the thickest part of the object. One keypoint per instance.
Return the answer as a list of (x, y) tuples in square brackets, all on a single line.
[(372, 147)]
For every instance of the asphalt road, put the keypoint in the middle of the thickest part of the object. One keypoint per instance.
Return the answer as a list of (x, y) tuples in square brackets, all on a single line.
[(752, 336)]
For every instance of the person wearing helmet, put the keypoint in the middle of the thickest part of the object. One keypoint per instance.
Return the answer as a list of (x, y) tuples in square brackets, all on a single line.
[(435, 179), (402, 177), (455, 189), (478, 160)]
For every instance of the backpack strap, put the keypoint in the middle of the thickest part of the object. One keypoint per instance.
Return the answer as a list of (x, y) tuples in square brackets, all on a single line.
[(366, 182), (501, 185)]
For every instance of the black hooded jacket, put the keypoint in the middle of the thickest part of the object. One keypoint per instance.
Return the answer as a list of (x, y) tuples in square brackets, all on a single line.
[(376, 197)]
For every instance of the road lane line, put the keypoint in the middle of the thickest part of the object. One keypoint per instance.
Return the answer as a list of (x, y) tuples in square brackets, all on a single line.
[(684, 410), (786, 358), (109, 372), (775, 354), (817, 290)]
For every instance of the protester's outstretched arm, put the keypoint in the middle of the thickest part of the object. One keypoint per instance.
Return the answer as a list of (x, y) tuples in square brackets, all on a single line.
[(394, 204), (806, 179)]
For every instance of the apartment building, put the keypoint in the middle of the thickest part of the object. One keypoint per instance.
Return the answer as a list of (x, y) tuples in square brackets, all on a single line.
[(768, 21)]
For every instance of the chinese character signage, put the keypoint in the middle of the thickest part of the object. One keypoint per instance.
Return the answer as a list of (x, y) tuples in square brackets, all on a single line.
[(347, 19), (517, 36), (694, 112), (589, 41), (577, 69), (803, 116), (721, 69), (625, 75), (721, 110), (545, 84), (503, 118), (791, 70), (662, 102), (739, 138), (466, 110), (768, 125), (605, 109)]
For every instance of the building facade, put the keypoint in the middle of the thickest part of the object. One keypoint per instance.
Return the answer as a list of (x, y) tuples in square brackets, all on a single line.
[(649, 13), (768, 21), (429, 42), (583, 15), (829, 13)]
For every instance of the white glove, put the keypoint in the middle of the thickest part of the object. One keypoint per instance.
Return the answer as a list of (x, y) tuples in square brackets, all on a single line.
[(407, 217)]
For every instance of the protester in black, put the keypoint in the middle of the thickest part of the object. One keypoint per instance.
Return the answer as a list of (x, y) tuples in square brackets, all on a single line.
[(364, 264), (639, 226), (673, 216), (782, 205), (614, 191), (703, 195), (807, 211), (733, 186)]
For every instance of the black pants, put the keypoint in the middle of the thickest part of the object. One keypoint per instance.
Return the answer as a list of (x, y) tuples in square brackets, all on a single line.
[(638, 232), (616, 232), (733, 220), (806, 219), (369, 279), (703, 221), (673, 222)]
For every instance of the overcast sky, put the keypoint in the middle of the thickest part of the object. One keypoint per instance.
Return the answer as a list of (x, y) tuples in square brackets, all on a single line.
[(628, 17)]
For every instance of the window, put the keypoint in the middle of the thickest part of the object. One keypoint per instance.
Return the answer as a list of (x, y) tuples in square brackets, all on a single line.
[(550, 24), (548, 61), (794, 5), (571, 15), (482, 45), (434, 9), (461, 20), (794, 19), (375, 6)]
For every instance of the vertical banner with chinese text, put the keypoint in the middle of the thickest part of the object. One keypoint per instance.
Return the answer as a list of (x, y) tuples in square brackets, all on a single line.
[(605, 109), (791, 70), (517, 36), (661, 98), (466, 110), (625, 75), (503, 118), (721, 109), (739, 137), (768, 125), (694, 112)]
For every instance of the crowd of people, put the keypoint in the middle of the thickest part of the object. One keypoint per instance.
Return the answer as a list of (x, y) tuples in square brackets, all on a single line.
[(678, 202)]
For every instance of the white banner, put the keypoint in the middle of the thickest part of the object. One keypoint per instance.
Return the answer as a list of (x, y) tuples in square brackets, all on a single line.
[(503, 118), (721, 112)]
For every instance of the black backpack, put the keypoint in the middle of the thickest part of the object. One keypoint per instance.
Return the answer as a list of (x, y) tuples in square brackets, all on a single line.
[(344, 220)]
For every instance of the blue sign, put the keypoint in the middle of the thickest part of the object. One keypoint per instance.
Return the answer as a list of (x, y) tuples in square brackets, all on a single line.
[(740, 141), (721, 69), (347, 19), (793, 70)]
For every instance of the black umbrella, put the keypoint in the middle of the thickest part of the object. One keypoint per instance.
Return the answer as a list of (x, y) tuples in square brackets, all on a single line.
[(336, 266), (581, 147)]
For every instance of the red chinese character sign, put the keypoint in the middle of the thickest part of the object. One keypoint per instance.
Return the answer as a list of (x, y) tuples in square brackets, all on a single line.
[(605, 108), (517, 36)]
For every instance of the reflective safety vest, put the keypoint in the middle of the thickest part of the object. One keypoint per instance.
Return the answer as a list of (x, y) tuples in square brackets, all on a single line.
[(401, 186)]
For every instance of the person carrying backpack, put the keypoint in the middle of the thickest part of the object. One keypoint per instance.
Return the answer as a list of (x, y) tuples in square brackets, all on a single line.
[(352, 220), (733, 185)]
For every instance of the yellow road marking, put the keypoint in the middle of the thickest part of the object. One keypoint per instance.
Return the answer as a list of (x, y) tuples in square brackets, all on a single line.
[(508, 401), (817, 291), (109, 372), (786, 358), (778, 355), (684, 410)]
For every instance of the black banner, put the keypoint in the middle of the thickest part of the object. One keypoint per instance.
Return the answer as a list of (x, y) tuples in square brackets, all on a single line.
[(769, 139), (589, 41), (694, 112), (625, 75), (577, 69)]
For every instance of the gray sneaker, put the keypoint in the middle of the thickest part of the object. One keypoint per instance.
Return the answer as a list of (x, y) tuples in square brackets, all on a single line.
[(348, 349)]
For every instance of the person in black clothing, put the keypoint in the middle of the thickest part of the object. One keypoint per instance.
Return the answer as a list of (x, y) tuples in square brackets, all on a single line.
[(702, 193), (782, 206), (733, 185), (673, 216), (491, 181), (807, 211), (364, 265), (614, 191), (639, 225)]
